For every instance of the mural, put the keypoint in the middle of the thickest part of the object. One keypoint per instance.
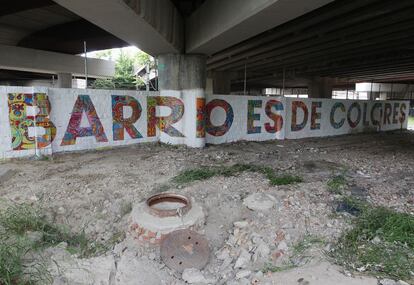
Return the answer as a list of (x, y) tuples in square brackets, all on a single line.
[(164, 123), (218, 131), (295, 105), (31, 123), (120, 123), (276, 118), (316, 116), (336, 124), (252, 116), (201, 118), (21, 122), (74, 130)]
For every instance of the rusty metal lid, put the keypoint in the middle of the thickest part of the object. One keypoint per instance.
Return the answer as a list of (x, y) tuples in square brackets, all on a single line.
[(185, 249)]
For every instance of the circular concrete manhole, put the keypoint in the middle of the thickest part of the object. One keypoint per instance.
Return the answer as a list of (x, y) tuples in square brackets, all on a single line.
[(162, 214)]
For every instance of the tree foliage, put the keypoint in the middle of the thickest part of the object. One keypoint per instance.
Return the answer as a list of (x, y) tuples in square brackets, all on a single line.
[(124, 71)]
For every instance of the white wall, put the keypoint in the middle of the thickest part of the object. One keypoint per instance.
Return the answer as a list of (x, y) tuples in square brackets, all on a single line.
[(253, 124)]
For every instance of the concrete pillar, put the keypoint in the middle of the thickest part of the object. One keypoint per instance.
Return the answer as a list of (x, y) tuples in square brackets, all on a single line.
[(221, 82), (64, 80), (184, 77), (320, 87)]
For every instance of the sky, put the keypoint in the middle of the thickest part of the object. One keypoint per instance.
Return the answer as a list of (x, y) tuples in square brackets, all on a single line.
[(131, 50)]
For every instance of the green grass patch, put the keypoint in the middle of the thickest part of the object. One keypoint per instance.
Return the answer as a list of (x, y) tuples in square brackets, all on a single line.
[(204, 173), (283, 179), (16, 224), (381, 243), (336, 184)]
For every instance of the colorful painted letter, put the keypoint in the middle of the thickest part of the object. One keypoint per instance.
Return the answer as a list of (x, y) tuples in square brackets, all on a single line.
[(164, 123), (201, 118), (252, 116), (354, 124), (276, 118), (74, 129), (219, 131), (337, 125), (120, 123), (295, 126), (21, 121)]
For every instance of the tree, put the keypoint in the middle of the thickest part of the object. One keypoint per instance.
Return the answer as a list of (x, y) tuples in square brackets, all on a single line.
[(124, 72)]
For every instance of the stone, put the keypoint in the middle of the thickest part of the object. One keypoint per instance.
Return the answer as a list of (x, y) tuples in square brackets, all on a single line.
[(194, 276), (241, 224), (65, 269), (262, 252), (400, 282), (283, 246), (134, 271), (243, 274), (259, 202), (243, 259)]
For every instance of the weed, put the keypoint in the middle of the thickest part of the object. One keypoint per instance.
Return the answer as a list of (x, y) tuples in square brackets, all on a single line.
[(13, 253), (352, 206), (126, 208), (269, 267), (380, 243), (306, 243), (195, 175), (205, 173), (20, 219), (15, 223), (283, 179), (336, 184), (298, 251)]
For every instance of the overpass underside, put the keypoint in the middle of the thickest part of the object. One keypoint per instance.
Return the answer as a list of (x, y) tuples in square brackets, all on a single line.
[(317, 45)]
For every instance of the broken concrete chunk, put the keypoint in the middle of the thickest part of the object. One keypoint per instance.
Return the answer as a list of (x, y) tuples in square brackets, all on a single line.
[(243, 274), (243, 260), (194, 276), (241, 224), (259, 202)]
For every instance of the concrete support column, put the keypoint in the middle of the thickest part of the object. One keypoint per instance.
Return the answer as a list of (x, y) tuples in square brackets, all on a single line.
[(184, 77), (320, 87), (64, 80), (221, 82)]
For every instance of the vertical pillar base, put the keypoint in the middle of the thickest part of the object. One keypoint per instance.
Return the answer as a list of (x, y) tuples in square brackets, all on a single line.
[(184, 77), (64, 80), (320, 87)]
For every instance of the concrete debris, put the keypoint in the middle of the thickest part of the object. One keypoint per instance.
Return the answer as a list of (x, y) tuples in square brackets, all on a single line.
[(243, 274), (194, 276), (259, 202)]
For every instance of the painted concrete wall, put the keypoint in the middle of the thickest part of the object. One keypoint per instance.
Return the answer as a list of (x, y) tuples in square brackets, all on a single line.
[(35, 121)]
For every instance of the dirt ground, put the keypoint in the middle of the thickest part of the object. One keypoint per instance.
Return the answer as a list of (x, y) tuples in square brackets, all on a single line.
[(94, 191)]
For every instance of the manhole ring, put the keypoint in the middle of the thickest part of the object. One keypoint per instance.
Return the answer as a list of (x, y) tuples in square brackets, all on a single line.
[(185, 249), (182, 205)]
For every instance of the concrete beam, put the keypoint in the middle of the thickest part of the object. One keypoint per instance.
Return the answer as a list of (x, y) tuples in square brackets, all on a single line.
[(32, 60), (155, 26), (219, 24)]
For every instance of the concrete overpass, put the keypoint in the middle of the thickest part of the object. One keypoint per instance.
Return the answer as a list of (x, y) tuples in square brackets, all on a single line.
[(39, 39), (315, 44)]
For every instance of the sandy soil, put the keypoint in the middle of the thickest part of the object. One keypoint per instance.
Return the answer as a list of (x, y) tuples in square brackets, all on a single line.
[(95, 191)]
